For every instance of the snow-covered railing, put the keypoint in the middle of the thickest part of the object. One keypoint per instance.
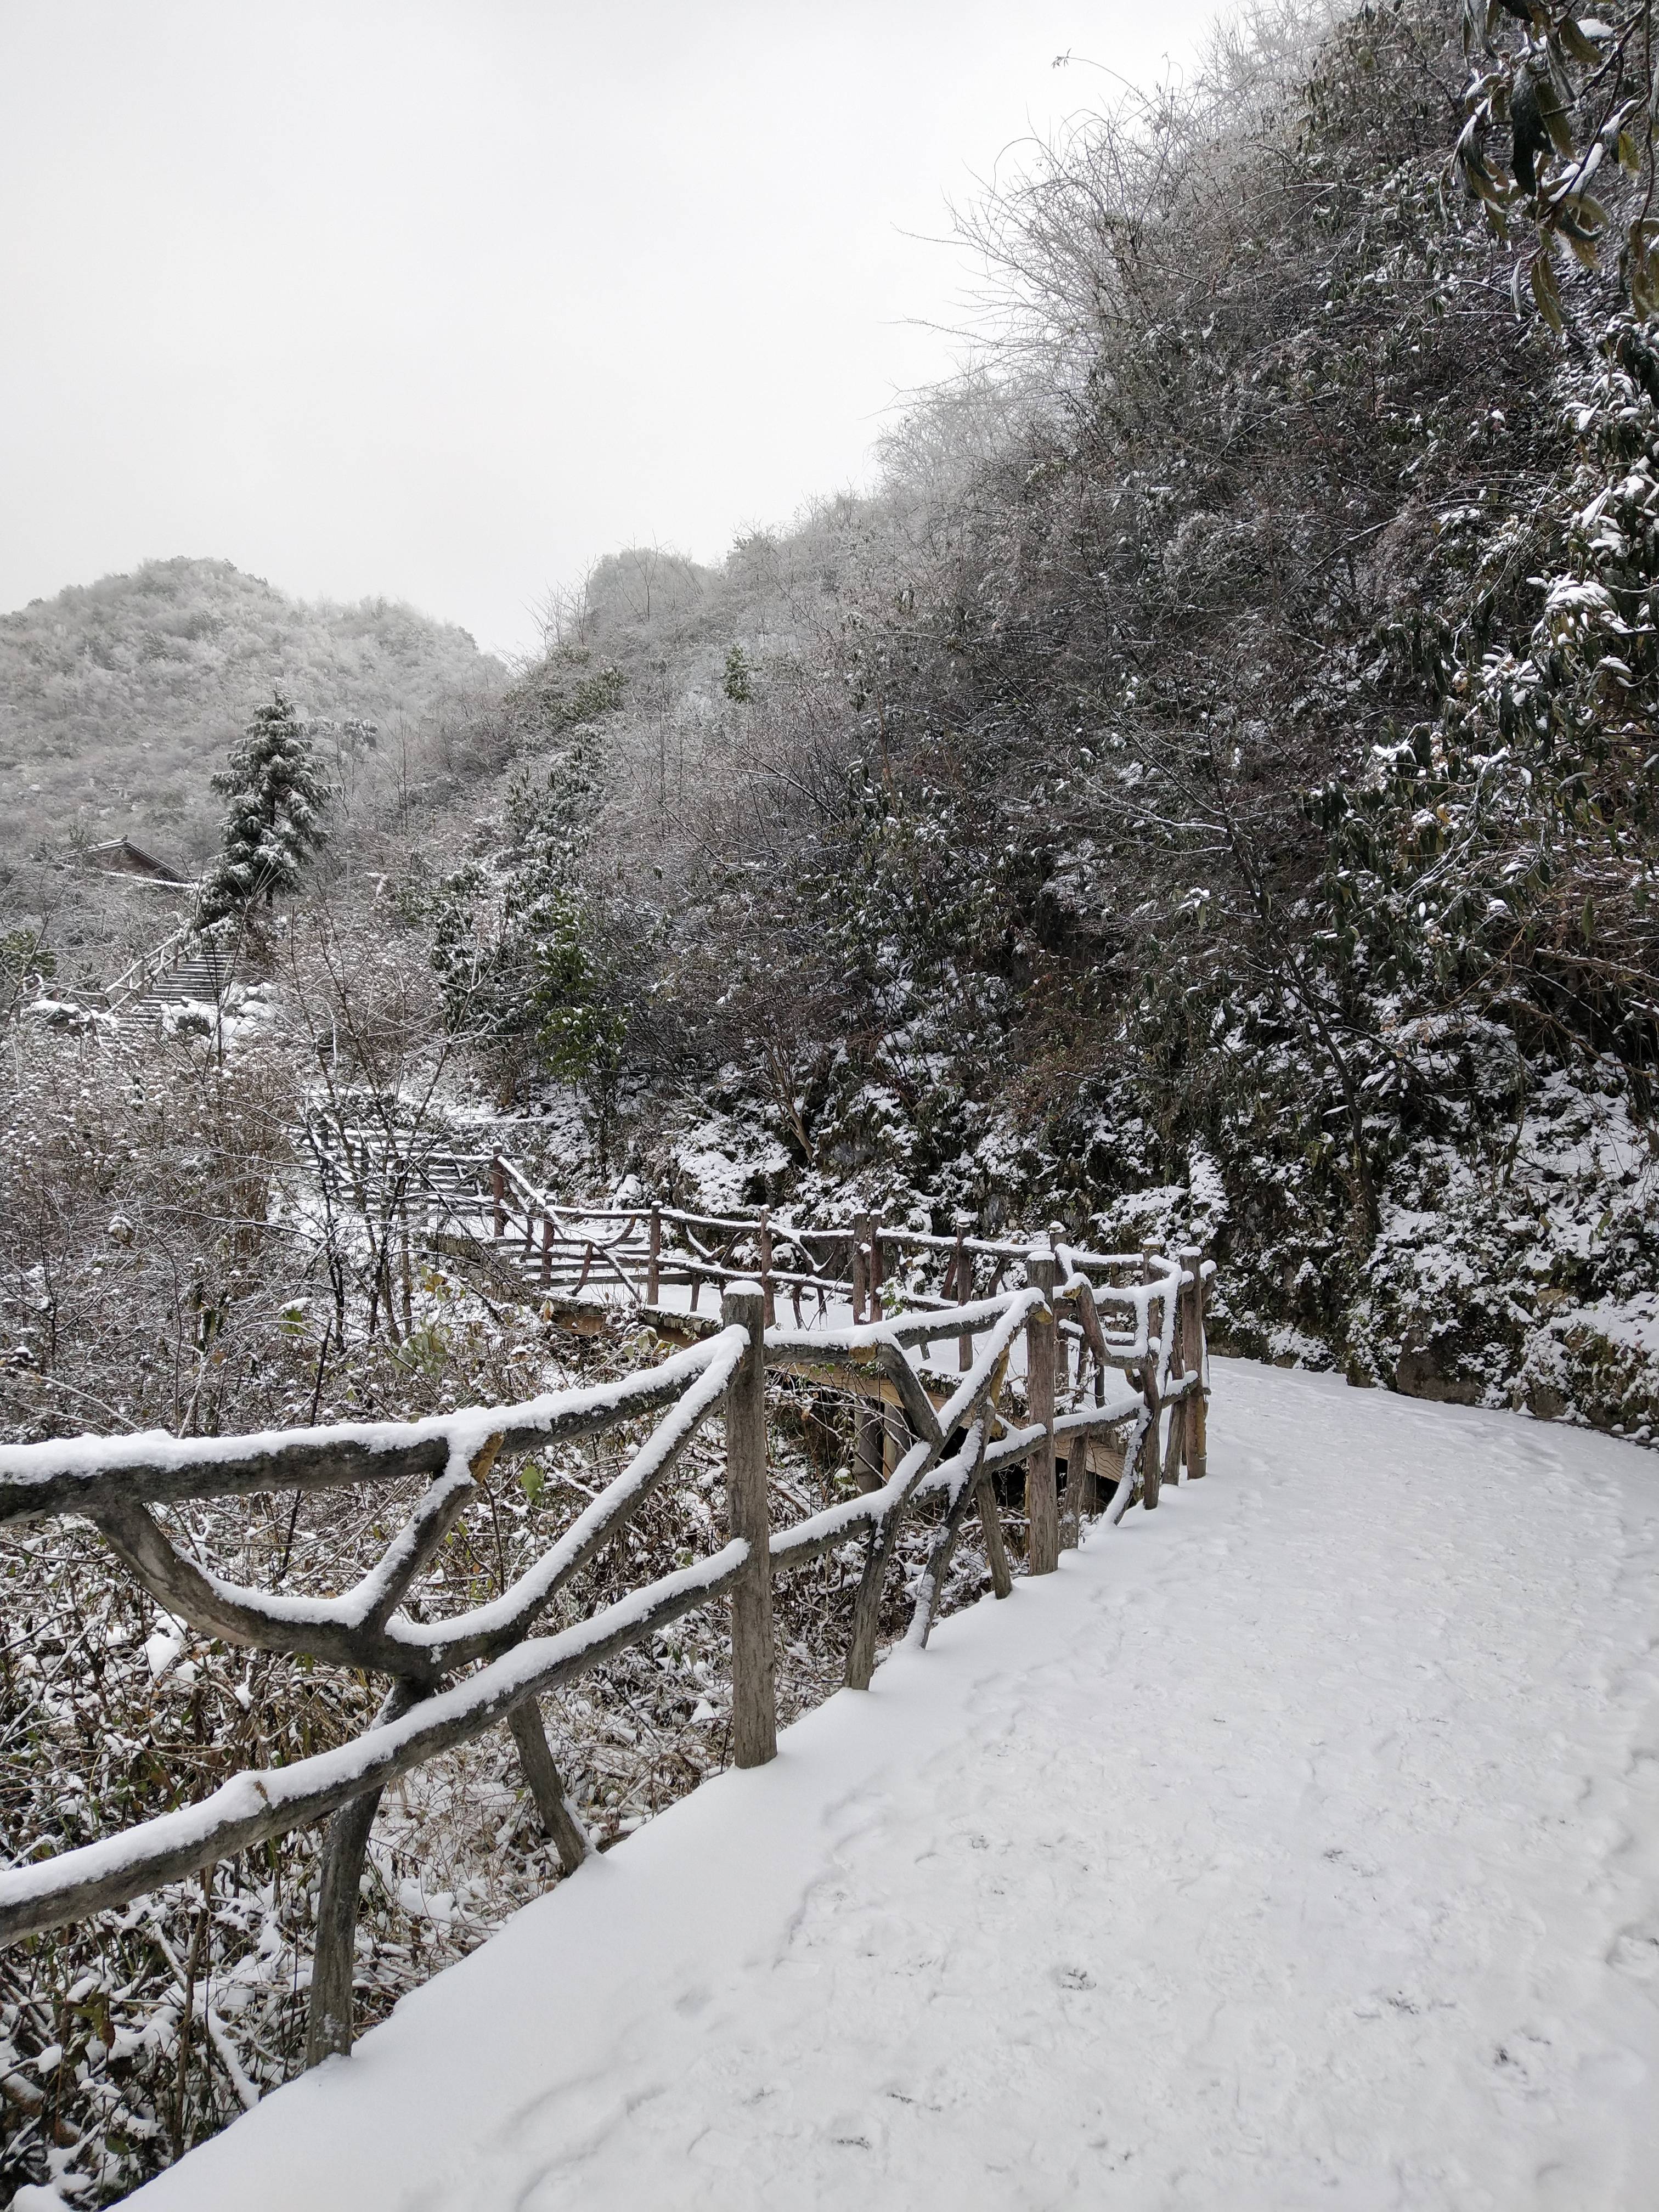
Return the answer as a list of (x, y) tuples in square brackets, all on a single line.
[(484, 1205), (650, 1248), (148, 968), (451, 1679)]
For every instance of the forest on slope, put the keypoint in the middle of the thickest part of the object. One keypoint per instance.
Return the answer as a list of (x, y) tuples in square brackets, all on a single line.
[(1212, 779), (118, 698)]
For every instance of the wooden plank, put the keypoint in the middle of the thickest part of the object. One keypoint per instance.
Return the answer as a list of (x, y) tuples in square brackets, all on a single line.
[(790, 1551), (258, 1805), (682, 1329), (978, 1401), (910, 1393), (931, 1587), (179, 1584), (317, 1460)]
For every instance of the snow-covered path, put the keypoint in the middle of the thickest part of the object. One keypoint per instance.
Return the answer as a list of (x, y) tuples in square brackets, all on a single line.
[(1297, 1844)]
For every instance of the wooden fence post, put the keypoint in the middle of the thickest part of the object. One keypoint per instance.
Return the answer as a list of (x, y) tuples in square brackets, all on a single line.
[(1151, 1462), (862, 1225), (1154, 1265), (768, 1297), (868, 1427), (498, 1193), (754, 1697), (333, 1966), (1192, 1260), (1063, 1343), (654, 1262), (963, 1283), (1175, 1321), (1042, 1505), (547, 1249), (1071, 1522)]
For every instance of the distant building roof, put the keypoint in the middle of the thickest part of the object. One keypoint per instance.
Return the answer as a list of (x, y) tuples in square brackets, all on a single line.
[(119, 856)]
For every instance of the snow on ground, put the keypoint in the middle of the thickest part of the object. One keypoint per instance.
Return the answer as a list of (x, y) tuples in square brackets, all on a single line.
[(1297, 1844)]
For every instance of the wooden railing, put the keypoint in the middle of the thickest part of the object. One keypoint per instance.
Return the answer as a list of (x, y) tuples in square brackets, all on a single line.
[(645, 1249), (149, 969), (1117, 1384)]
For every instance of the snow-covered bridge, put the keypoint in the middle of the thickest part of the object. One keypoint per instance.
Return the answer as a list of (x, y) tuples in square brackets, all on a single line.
[(1297, 1845)]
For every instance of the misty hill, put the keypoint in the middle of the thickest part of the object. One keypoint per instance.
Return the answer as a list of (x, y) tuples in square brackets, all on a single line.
[(119, 699)]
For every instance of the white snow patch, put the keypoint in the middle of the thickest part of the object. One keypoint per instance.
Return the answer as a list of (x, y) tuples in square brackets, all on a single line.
[(1295, 1845)]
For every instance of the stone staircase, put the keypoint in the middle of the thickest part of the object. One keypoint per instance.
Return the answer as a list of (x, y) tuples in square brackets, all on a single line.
[(197, 978)]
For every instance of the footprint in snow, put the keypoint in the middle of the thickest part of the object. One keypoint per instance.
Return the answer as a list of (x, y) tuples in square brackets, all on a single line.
[(1636, 1950)]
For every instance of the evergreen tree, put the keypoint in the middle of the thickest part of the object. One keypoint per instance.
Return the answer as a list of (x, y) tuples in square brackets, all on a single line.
[(527, 953), (278, 795)]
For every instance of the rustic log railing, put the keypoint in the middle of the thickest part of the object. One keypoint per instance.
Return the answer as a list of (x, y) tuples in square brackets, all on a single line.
[(1106, 1363), (646, 1248)]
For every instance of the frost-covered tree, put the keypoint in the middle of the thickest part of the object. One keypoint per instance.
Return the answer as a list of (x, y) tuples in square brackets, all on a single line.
[(524, 948), (278, 795)]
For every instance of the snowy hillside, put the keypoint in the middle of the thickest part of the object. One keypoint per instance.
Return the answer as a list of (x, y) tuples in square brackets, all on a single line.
[(1297, 1844), (118, 698)]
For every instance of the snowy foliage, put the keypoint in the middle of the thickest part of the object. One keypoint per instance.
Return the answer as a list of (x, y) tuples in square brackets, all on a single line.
[(274, 823)]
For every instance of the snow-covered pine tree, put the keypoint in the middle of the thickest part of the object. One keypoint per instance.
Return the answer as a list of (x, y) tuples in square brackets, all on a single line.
[(278, 795)]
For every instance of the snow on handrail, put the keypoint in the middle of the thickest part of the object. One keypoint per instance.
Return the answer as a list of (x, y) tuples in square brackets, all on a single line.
[(75, 1473), (267, 1802), (953, 1450)]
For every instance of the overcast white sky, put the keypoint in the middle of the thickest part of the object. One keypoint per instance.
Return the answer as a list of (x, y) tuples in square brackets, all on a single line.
[(442, 301)]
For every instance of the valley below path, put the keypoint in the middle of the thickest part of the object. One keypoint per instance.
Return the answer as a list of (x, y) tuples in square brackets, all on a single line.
[(1295, 1845)]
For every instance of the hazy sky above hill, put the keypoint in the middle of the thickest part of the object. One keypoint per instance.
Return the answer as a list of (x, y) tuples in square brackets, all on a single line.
[(442, 301)]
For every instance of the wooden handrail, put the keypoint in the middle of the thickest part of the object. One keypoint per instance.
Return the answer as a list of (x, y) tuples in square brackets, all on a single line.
[(959, 1443)]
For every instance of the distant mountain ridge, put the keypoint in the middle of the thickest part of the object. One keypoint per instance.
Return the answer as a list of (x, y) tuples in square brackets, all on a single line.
[(119, 699)]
